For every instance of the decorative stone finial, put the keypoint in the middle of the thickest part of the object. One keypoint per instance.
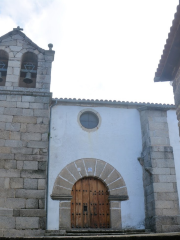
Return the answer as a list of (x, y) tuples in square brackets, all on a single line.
[(50, 45), (18, 28)]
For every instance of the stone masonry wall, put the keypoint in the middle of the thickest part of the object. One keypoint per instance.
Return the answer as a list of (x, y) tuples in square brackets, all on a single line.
[(24, 128), (159, 177)]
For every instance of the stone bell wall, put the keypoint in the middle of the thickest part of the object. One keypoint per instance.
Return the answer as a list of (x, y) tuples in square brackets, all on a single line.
[(24, 131), (24, 128), (15, 43), (159, 177)]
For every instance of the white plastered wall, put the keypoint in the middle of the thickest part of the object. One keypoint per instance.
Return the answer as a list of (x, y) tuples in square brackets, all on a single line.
[(175, 143), (117, 141)]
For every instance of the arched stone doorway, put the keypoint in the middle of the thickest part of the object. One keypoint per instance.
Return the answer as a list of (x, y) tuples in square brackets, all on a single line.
[(89, 167), (90, 204)]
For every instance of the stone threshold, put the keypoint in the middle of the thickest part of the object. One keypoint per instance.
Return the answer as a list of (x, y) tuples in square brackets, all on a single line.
[(150, 236)]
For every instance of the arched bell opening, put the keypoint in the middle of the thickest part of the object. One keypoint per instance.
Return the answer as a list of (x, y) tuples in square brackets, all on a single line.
[(28, 70), (90, 206), (3, 67)]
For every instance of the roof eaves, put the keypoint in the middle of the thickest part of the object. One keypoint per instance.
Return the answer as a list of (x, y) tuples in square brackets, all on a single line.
[(112, 102), (168, 46)]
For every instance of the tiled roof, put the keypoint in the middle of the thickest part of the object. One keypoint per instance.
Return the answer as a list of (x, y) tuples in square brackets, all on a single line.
[(168, 45), (111, 102)]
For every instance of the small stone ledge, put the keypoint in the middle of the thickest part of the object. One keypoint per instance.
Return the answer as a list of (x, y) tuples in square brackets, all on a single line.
[(61, 197), (118, 198), (30, 92)]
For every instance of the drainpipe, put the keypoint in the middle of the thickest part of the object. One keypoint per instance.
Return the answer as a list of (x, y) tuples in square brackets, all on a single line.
[(47, 172)]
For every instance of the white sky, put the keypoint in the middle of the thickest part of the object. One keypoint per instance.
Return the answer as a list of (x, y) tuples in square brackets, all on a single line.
[(105, 49)]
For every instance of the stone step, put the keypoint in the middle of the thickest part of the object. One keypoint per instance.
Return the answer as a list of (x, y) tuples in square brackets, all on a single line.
[(93, 232)]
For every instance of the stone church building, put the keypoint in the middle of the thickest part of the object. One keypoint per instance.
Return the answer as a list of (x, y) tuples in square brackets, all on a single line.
[(68, 164)]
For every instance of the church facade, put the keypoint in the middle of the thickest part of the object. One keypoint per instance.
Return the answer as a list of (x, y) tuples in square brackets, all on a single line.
[(76, 164)]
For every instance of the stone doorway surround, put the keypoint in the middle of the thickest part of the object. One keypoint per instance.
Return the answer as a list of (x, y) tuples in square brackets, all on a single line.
[(87, 167)]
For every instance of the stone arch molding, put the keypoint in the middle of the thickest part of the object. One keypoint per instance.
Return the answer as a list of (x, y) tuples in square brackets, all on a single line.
[(85, 168)]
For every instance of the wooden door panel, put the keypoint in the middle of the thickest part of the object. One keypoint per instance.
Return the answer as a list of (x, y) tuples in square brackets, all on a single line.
[(90, 204)]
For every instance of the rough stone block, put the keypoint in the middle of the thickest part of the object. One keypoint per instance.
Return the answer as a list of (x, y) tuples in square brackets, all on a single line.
[(41, 113), (5, 149), (28, 99), (6, 118), (27, 222), (33, 174), (14, 136), (22, 193), (13, 111), (37, 128), (37, 105), (15, 203), (31, 136), (30, 183), (42, 165), (41, 203), (171, 212), (36, 144), (163, 187), (9, 173), (29, 165), (14, 143), (161, 171), (16, 182), (112, 177), (10, 164), (64, 218), (2, 125), (22, 105), (6, 156), (2, 142), (45, 137), (7, 104), (116, 219), (167, 178), (23, 127), (164, 204), (34, 232), (24, 119), (13, 233), (117, 184), (65, 174), (32, 203), (41, 184), (28, 112), (6, 212), (7, 193), (13, 126), (42, 99), (120, 191), (61, 182), (32, 213), (99, 167), (7, 222), (22, 150)]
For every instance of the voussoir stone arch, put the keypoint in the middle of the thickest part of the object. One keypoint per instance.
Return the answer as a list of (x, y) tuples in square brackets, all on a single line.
[(87, 167)]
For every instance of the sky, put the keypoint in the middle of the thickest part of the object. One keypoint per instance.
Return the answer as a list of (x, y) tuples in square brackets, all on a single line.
[(104, 49)]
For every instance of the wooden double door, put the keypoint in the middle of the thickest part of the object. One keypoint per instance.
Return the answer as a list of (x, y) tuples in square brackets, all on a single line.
[(90, 204)]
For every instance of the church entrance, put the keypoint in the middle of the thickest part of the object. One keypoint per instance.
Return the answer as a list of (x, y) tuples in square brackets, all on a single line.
[(90, 204)]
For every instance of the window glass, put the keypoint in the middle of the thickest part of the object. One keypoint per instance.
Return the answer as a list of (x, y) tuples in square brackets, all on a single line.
[(89, 120)]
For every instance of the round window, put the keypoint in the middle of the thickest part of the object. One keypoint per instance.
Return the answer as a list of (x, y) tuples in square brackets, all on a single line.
[(89, 120)]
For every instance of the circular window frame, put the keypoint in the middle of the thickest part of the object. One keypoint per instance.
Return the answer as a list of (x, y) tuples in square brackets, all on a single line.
[(94, 112)]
